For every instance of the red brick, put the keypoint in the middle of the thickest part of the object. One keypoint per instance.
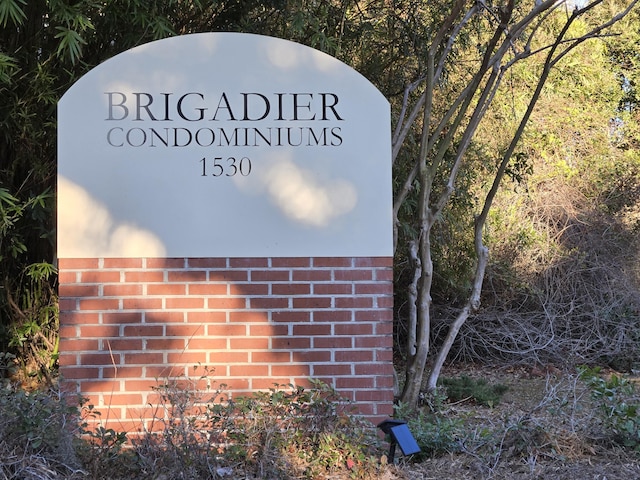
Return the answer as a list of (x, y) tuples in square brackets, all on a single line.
[(246, 289), (268, 303), (126, 399), (79, 318), (353, 275), (146, 358), (206, 343), (68, 344), (184, 303), (207, 262), (312, 302), (311, 276), (248, 371), (332, 342), (332, 289), (99, 359), (143, 330), (119, 344), (185, 330), (166, 289), (374, 396), (187, 276), (206, 317), (226, 303), (65, 276), (291, 289), (142, 303), (331, 369), (165, 344), (268, 330), (121, 317), (102, 331), (384, 275), (291, 316), (67, 359), (353, 356), (270, 276), (291, 262), (75, 290), (99, 304), (190, 358), (208, 289), (270, 357), (332, 316), (228, 276), (146, 276), (229, 357), (354, 302), (373, 289), (384, 329), (67, 305), (81, 373), (164, 317), (122, 372), (354, 382), (77, 263), (248, 262), (100, 277), (142, 385), (100, 386), (121, 290), (374, 262), (291, 370), (226, 330), (384, 356), (248, 343), (268, 383), (384, 381), (122, 263), (237, 384), (313, 356), (385, 302), (342, 262), (310, 329), (352, 329), (164, 263), (377, 315), (373, 342), (278, 343), (249, 316)]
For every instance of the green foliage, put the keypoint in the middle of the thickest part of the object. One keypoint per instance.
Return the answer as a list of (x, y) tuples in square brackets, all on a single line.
[(618, 404), (36, 434), (286, 432), (479, 390), (435, 434)]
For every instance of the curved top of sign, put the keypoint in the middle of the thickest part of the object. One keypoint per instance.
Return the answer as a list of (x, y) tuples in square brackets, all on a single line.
[(223, 145)]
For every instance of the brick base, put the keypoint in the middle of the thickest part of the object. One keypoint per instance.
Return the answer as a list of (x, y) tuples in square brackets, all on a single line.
[(127, 323)]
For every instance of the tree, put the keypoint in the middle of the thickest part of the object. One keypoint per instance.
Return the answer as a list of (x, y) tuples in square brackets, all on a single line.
[(505, 35)]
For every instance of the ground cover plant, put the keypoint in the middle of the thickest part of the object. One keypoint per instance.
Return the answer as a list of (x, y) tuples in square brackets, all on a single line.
[(548, 424)]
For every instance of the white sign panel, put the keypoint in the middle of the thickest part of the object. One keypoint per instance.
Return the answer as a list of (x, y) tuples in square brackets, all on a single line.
[(223, 145)]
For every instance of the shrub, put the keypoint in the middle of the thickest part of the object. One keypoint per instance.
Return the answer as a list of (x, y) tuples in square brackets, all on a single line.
[(617, 404), (37, 432), (480, 391)]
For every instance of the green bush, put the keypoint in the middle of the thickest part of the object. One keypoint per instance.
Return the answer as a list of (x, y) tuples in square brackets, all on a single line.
[(286, 432), (617, 404), (37, 432), (478, 390), (435, 434)]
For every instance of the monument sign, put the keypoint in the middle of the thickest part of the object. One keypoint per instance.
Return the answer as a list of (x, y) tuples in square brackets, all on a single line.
[(224, 199)]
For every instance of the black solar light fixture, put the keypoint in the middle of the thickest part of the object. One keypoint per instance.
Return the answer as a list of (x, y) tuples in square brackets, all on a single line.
[(400, 435)]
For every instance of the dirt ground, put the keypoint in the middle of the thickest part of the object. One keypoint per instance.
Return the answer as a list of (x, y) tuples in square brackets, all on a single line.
[(545, 427)]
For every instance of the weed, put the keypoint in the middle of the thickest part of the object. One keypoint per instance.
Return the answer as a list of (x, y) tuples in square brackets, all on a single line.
[(618, 405), (467, 388)]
